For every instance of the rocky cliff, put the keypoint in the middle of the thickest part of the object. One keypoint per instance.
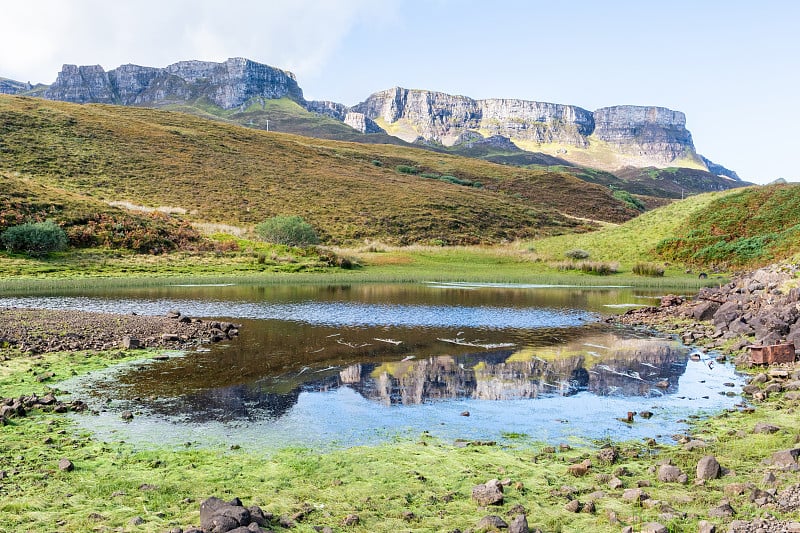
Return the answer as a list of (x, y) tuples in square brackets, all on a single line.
[(627, 135), (13, 87), (227, 85)]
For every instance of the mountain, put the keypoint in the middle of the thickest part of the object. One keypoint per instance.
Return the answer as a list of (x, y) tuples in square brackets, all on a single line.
[(245, 92), (207, 171)]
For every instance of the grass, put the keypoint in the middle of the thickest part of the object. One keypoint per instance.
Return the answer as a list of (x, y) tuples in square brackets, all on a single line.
[(227, 174), (750, 228)]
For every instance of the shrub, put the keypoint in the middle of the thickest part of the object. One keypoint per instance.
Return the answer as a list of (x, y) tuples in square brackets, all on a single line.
[(407, 169), (577, 254), (377, 163), (648, 269), (288, 230), (628, 198), (37, 239)]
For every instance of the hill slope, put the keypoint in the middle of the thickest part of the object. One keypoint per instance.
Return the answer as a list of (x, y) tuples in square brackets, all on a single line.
[(217, 172), (749, 227)]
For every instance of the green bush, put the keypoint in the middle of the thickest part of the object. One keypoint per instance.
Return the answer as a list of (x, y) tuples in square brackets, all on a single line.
[(37, 239), (628, 198), (288, 230), (407, 169)]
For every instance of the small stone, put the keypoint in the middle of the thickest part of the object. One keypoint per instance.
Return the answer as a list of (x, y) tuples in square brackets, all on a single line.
[(654, 527), (491, 523), (126, 415), (573, 506), (723, 510), (588, 507), (464, 413), (615, 483), (65, 465), (351, 520), (769, 477), (136, 521), (634, 495), (704, 526), (763, 427)]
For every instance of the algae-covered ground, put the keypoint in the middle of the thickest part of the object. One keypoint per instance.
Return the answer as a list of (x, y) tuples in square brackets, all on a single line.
[(421, 484)]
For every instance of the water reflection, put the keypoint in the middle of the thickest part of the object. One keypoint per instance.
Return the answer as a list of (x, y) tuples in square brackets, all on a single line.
[(315, 365)]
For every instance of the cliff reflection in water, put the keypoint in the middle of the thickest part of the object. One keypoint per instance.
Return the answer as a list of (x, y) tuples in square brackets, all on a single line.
[(601, 365)]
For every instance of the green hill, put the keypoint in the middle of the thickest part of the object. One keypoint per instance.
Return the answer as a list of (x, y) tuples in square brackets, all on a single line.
[(747, 227), (207, 171)]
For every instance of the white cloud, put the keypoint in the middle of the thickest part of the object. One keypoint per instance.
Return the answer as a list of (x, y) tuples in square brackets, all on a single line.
[(298, 35)]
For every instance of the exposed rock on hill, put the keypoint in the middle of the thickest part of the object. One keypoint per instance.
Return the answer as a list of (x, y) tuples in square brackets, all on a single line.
[(13, 87), (228, 85)]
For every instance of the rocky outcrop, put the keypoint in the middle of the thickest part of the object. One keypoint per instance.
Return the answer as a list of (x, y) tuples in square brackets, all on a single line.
[(639, 136), (654, 134), (13, 87), (719, 170), (229, 84), (444, 118), (362, 123), (328, 108)]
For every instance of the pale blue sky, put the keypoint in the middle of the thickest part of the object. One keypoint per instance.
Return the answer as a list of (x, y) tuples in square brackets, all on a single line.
[(731, 66)]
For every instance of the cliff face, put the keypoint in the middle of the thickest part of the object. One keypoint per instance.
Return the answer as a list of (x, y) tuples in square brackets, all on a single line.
[(640, 136), (228, 85), (444, 118), (655, 134), (13, 87)]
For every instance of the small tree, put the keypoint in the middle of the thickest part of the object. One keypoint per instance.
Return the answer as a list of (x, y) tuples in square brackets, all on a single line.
[(37, 239), (291, 231)]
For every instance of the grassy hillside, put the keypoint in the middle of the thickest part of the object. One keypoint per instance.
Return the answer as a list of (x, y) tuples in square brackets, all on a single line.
[(216, 172), (635, 240), (751, 227), (747, 227), (674, 182)]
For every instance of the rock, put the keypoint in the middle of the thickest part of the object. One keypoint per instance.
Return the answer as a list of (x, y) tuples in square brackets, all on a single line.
[(723, 510), (126, 415), (351, 520), (573, 506), (654, 527), (705, 310), (579, 469), (65, 465), (636, 495), (136, 521), (708, 468), (216, 514), (588, 507), (704, 526), (763, 427), (769, 478), (615, 483), (519, 524), (491, 523), (785, 459), (670, 474), (608, 455), (130, 343), (694, 444), (489, 493)]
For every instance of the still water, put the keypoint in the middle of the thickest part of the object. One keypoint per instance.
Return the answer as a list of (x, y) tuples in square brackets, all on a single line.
[(332, 365)]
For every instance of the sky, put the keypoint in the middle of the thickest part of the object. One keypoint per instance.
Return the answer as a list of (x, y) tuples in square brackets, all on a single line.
[(731, 66)]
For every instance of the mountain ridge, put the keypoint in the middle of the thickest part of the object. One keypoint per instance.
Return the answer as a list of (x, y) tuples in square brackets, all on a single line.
[(609, 138)]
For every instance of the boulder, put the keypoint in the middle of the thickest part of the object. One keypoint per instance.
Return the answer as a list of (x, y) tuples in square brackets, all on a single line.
[(671, 474), (763, 427), (727, 313), (489, 493), (221, 516), (785, 459), (519, 524), (65, 465), (705, 310), (654, 527), (708, 468), (723, 510)]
